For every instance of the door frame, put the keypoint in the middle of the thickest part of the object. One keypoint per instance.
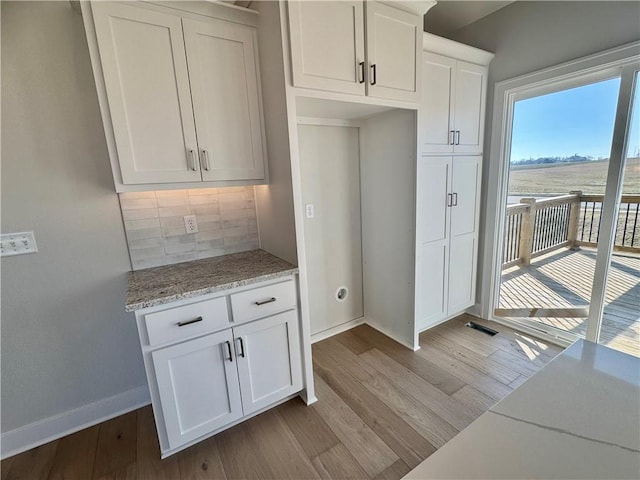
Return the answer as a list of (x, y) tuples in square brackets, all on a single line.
[(622, 61)]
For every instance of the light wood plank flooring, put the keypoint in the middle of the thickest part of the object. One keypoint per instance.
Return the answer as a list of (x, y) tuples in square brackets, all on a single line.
[(563, 279), (382, 410)]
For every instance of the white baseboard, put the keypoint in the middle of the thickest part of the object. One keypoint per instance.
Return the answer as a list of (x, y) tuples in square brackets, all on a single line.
[(330, 332), (43, 431)]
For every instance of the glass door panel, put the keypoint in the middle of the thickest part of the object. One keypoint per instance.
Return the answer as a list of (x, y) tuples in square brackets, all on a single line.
[(559, 160), (620, 328)]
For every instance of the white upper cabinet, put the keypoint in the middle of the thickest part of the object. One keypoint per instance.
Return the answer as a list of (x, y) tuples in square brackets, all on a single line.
[(180, 95), (147, 84), (394, 41), (435, 115), (470, 95), (226, 99), (327, 45), (361, 48), (452, 105)]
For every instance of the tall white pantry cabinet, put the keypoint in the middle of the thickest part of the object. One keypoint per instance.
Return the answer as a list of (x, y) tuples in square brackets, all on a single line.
[(450, 136)]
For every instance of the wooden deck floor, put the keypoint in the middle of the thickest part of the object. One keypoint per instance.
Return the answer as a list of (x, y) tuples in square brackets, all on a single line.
[(382, 409), (563, 279)]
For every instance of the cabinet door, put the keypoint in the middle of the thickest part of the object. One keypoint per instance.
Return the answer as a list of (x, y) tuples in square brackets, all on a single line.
[(198, 386), (436, 130), (327, 45), (432, 227), (470, 92), (223, 68), (394, 44), (269, 365), (464, 233), (145, 73)]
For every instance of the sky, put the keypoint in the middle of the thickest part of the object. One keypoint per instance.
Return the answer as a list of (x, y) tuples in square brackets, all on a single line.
[(576, 121)]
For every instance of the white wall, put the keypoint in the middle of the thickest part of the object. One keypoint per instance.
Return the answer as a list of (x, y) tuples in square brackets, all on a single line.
[(388, 165), (274, 202), (66, 340), (530, 36)]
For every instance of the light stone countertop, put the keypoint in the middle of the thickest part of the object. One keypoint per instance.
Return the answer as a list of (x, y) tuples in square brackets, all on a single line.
[(578, 418), (160, 285)]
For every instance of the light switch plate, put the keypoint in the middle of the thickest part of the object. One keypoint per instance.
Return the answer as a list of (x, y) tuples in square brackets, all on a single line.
[(17, 244)]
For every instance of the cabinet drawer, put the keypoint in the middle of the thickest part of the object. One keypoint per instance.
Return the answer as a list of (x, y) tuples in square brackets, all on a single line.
[(263, 301), (188, 321)]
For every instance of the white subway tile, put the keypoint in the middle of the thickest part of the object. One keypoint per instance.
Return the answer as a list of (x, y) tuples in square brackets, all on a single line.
[(146, 243), (141, 224), (139, 213), (174, 211), (173, 201), (137, 203), (210, 244), (143, 233), (204, 200)]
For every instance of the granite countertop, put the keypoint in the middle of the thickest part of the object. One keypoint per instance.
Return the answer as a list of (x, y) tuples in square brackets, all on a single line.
[(160, 285), (579, 417)]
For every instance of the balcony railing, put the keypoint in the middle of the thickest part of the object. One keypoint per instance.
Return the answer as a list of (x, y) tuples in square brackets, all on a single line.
[(534, 227)]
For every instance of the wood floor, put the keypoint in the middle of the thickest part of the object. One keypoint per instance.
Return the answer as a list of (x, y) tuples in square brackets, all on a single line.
[(382, 409), (563, 280)]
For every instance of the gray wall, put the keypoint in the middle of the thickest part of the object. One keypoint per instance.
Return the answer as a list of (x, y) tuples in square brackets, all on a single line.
[(66, 340), (529, 36)]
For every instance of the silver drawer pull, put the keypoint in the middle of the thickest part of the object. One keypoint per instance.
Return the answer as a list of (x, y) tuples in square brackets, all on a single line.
[(272, 299), (189, 322)]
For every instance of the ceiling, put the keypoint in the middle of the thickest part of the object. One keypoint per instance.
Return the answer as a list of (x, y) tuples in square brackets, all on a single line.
[(447, 16)]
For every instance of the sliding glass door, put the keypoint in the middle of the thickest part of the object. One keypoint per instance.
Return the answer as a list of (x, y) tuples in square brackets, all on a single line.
[(616, 323), (570, 263)]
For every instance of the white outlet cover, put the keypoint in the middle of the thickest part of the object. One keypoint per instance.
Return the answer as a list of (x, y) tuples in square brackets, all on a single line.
[(190, 224), (17, 244), (310, 210)]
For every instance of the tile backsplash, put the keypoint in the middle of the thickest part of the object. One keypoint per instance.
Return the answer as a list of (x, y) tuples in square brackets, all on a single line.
[(154, 224)]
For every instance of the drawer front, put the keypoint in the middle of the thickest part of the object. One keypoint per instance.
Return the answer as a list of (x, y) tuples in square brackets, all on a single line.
[(263, 301), (188, 321)]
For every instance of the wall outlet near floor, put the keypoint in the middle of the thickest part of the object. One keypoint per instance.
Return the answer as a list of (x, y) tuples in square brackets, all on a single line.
[(17, 244), (190, 224)]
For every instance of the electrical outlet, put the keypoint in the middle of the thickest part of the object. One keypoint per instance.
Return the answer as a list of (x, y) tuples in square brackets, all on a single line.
[(17, 244), (190, 224), (310, 210)]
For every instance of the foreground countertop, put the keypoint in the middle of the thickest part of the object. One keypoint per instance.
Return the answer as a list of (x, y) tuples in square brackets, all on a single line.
[(160, 285), (579, 417)]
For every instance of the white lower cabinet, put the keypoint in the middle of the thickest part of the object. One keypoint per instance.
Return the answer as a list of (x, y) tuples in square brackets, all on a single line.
[(448, 197), (198, 386), (268, 353), (208, 375)]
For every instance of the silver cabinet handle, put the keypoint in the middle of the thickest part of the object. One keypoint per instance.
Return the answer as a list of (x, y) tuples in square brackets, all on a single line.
[(241, 346), (189, 322), (204, 160), (191, 160), (457, 137), (455, 199), (449, 200), (263, 302), (229, 349), (453, 138)]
